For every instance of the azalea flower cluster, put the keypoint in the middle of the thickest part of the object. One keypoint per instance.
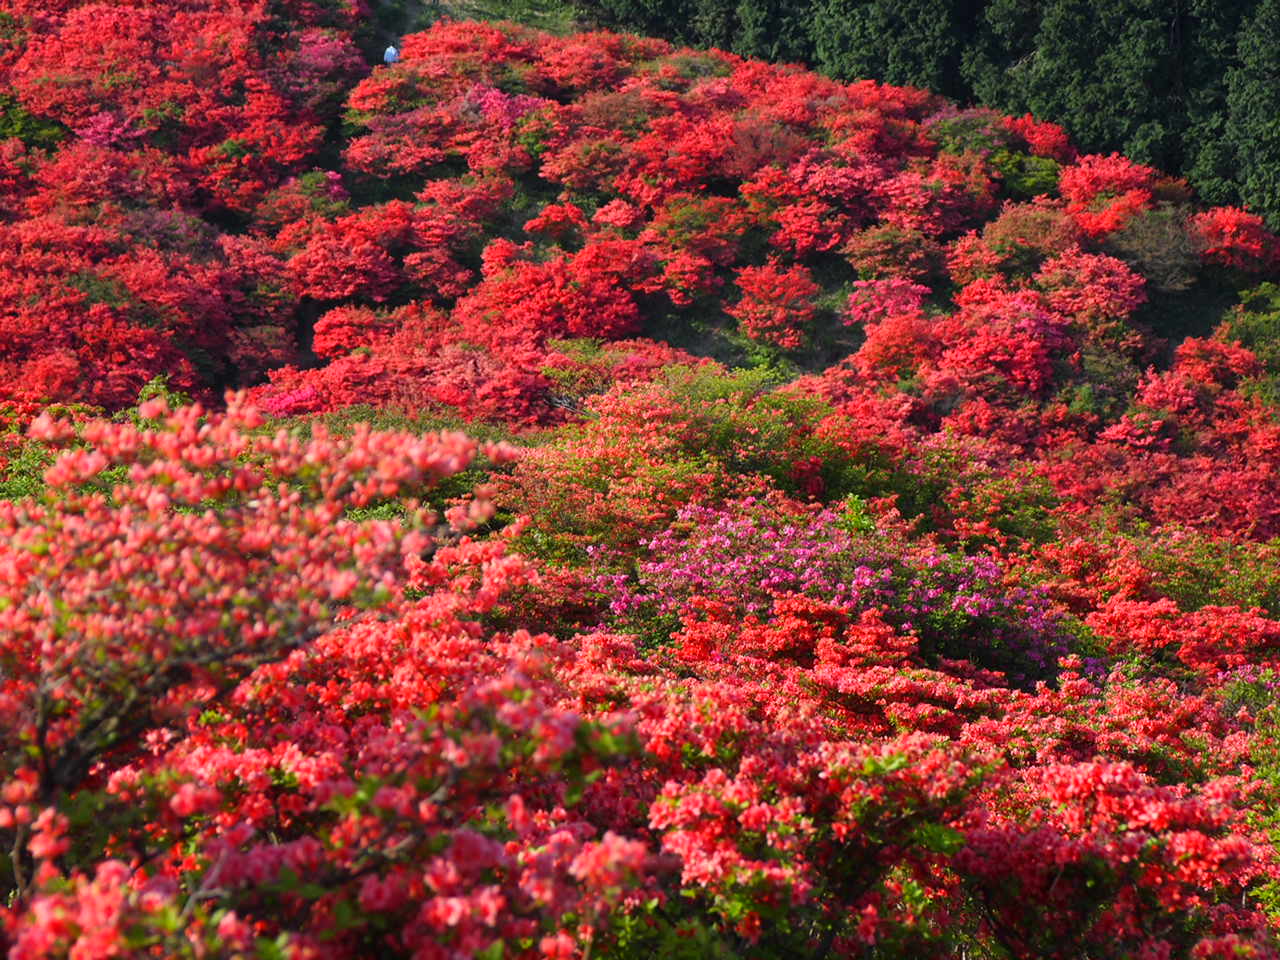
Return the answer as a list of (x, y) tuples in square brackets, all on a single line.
[(739, 558)]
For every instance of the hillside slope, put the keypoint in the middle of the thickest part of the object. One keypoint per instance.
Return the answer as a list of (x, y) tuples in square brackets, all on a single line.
[(799, 519), (1187, 86)]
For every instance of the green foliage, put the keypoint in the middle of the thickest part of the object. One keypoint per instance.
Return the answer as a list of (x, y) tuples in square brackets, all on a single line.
[(1120, 75), (1256, 324), (165, 121), (316, 185), (642, 934), (1190, 313), (234, 148), (1021, 506), (773, 30), (100, 289), (395, 18), (744, 423), (1109, 379), (34, 131), (1026, 176), (551, 15), (976, 129), (1258, 695), (916, 43), (1196, 570), (1253, 120), (157, 388), (22, 470), (1158, 245), (768, 359), (532, 131), (420, 422)]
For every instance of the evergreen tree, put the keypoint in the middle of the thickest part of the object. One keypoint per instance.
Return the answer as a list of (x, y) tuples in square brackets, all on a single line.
[(1100, 67), (1253, 123), (915, 43), (777, 30)]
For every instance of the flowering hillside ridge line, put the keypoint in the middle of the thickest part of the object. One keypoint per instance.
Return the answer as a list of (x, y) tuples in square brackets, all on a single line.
[(667, 505)]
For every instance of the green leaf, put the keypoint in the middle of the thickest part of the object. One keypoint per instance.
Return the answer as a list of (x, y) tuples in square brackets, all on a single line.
[(277, 949), (939, 838), (346, 914), (288, 879)]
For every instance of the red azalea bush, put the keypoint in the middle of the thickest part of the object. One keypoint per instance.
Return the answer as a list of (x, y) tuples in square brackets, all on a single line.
[(1236, 238), (776, 304), (495, 785), (256, 554)]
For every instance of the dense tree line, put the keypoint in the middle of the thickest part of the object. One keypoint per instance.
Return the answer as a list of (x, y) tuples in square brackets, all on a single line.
[(1189, 86)]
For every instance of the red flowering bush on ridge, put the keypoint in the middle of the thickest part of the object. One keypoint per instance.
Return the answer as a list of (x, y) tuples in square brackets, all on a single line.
[(661, 185), (1236, 238)]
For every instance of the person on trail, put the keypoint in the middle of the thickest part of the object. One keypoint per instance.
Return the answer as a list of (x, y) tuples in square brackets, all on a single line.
[(392, 55)]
